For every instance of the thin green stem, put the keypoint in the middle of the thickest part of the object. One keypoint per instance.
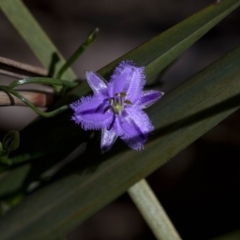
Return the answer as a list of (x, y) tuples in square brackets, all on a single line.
[(91, 37), (28, 103), (152, 211), (43, 80)]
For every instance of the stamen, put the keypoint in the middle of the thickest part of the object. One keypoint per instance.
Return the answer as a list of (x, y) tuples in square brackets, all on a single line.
[(123, 94), (118, 102), (128, 102)]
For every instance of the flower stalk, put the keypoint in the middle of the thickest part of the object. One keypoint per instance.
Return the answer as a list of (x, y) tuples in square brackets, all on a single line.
[(152, 211)]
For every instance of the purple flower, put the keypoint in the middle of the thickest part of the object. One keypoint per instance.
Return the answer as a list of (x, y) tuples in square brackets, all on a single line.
[(116, 107)]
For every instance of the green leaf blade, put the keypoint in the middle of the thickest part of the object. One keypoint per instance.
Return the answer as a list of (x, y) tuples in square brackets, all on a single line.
[(71, 200), (160, 51)]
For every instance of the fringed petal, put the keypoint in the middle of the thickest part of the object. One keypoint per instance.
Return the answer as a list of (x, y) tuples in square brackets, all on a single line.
[(133, 127), (96, 82), (149, 97), (129, 79), (92, 112), (108, 138)]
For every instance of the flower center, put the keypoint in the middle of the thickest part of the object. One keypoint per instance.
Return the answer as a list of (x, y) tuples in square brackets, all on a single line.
[(118, 102)]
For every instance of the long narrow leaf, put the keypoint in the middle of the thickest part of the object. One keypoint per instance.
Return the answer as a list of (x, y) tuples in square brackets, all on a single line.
[(159, 52)]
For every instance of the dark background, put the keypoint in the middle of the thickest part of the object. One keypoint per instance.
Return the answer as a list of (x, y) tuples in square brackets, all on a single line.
[(199, 188)]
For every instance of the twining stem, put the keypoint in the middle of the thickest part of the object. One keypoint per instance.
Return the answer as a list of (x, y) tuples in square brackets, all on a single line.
[(152, 211), (9, 96), (33, 107), (43, 80)]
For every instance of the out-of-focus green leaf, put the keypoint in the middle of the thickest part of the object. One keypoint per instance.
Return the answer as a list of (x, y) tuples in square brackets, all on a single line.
[(180, 118), (35, 37), (13, 185), (11, 141)]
